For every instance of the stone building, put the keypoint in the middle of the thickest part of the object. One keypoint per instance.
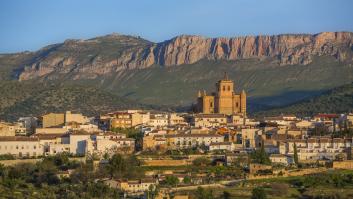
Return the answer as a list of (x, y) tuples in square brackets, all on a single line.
[(60, 119), (224, 100)]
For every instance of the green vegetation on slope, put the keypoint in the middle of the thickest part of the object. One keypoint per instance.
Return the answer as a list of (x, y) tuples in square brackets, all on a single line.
[(266, 83), (338, 100), (24, 99)]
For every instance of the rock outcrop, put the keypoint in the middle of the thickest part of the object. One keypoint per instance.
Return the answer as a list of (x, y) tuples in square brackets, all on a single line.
[(114, 53)]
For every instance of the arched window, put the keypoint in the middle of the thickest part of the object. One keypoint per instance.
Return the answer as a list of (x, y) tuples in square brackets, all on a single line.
[(228, 88), (224, 88)]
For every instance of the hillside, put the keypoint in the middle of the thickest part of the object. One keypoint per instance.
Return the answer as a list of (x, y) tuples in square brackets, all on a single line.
[(25, 99), (338, 100), (274, 70)]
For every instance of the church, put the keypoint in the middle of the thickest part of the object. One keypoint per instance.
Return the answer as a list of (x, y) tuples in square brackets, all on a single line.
[(224, 100)]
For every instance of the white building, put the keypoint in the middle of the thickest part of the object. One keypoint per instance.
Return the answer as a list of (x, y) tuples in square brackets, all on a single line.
[(209, 120), (227, 146), (20, 146), (193, 140), (281, 159), (158, 120), (317, 148), (112, 143)]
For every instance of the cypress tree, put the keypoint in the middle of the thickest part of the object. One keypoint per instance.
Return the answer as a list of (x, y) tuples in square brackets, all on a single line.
[(295, 157)]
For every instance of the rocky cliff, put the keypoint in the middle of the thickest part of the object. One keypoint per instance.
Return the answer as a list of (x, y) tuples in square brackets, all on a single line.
[(115, 53)]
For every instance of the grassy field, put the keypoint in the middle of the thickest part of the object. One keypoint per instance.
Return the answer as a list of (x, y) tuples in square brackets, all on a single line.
[(290, 187)]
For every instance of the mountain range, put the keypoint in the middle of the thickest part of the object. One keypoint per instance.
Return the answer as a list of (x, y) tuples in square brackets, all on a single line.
[(275, 70)]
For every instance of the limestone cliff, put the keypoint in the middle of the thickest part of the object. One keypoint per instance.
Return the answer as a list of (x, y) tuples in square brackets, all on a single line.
[(115, 53)]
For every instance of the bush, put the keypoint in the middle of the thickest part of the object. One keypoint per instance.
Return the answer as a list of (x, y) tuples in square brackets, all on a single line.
[(7, 157), (201, 162), (279, 189), (258, 193), (172, 181)]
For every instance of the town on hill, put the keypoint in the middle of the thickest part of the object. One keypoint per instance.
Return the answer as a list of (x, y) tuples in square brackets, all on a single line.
[(215, 151)]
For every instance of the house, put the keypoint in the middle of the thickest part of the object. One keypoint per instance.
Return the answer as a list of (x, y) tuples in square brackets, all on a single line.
[(114, 142), (188, 140), (250, 137), (281, 159), (60, 119), (175, 119), (77, 118), (51, 130), (227, 146), (209, 120), (136, 186), (28, 123), (154, 141), (7, 129), (158, 120), (81, 143), (52, 120), (20, 146), (54, 143), (317, 148)]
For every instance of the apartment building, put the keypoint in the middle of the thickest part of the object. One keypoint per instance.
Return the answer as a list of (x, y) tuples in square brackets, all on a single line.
[(209, 120), (317, 148), (192, 140), (20, 146)]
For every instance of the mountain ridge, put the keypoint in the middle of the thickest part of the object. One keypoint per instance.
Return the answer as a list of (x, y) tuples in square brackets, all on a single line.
[(143, 71), (116, 53)]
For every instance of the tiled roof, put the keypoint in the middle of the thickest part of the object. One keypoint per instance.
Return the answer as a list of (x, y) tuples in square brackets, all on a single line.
[(18, 138)]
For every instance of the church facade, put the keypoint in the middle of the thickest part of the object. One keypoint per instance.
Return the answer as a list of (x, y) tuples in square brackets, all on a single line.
[(224, 100)]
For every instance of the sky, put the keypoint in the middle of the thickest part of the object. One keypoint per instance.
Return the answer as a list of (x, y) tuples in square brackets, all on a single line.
[(32, 24)]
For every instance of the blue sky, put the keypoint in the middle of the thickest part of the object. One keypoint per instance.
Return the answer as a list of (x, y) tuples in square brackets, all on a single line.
[(32, 24)]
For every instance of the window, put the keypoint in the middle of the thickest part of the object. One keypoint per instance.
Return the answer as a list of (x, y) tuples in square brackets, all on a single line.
[(228, 88), (237, 104), (224, 88), (211, 104)]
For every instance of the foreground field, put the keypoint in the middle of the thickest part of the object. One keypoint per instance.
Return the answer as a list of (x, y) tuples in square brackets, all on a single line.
[(333, 184)]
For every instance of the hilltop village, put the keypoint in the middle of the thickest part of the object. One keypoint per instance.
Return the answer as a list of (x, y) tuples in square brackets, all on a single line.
[(215, 146)]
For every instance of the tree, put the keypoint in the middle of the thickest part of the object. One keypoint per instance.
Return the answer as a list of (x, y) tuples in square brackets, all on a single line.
[(116, 166), (187, 180), (172, 181), (258, 193), (295, 156), (199, 162), (152, 192), (83, 174), (260, 156), (201, 193), (226, 195), (338, 180), (3, 171)]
